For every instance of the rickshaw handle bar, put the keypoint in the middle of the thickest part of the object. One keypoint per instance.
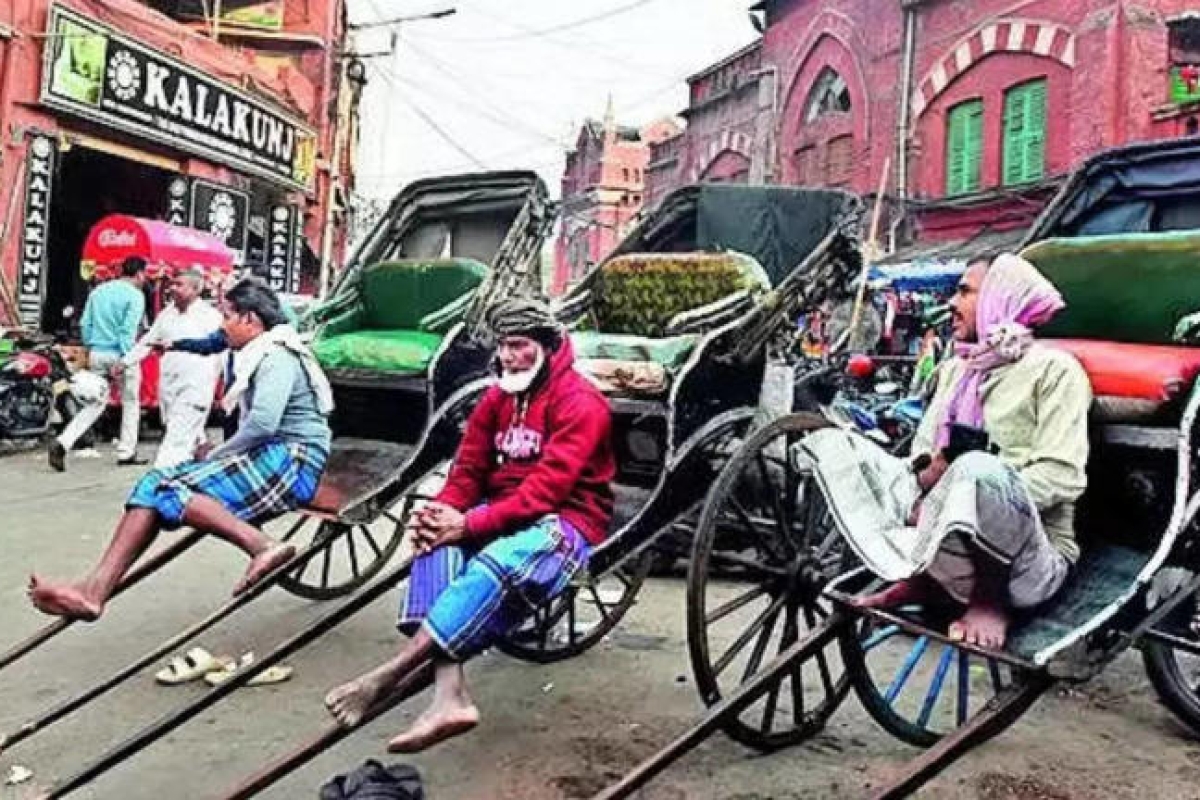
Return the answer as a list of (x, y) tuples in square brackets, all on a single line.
[(147, 735), (740, 699), (55, 713), (267, 776), (142, 570)]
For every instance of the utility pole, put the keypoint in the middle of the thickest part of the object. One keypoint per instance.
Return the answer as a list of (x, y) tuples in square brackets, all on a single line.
[(350, 68)]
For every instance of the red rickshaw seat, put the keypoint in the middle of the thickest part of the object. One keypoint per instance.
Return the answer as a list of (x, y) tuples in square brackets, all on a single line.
[(1133, 382)]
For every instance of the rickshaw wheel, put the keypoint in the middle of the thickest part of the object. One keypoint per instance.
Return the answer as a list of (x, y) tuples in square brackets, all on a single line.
[(765, 548), (580, 617), (348, 555), (1177, 685), (916, 689)]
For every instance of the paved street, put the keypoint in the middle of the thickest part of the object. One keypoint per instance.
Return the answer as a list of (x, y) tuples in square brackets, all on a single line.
[(553, 732)]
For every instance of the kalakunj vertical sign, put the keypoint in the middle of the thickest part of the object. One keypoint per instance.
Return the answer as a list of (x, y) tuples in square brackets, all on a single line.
[(100, 74), (283, 249), (222, 211), (40, 160), (179, 201)]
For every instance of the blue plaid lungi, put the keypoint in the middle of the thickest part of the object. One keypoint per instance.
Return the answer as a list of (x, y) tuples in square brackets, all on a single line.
[(467, 597), (261, 483)]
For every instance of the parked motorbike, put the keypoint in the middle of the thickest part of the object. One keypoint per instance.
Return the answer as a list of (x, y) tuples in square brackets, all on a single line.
[(35, 390)]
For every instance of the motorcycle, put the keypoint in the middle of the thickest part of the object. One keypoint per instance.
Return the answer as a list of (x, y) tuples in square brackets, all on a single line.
[(35, 390)]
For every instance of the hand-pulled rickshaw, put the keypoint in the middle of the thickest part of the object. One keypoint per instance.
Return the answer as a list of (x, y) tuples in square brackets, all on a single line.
[(675, 327), (1122, 243), (167, 249)]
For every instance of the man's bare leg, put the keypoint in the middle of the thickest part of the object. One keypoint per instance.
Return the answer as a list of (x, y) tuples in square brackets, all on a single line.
[(85, 599), (917, 590), (452, 712), (350, 702), (206, 514), (987, 619)]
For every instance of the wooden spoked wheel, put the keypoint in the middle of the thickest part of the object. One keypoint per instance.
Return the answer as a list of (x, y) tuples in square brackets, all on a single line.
[(347, 555), (764, 550), (580, 617), (916, 688)]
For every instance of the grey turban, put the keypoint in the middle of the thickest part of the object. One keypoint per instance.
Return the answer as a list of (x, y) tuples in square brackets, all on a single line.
[(524, 316)]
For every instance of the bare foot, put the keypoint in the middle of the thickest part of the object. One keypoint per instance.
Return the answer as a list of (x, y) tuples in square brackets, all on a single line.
[(349, 702), (263, 564), (983, 625), (917, 590), (63, 600), (435, 725)]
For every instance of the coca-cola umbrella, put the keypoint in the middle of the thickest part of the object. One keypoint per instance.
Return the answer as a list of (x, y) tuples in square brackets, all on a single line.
[(167, 248)]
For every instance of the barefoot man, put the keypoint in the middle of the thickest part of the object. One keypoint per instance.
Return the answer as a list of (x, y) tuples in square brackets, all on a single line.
[(270, 466), (528, 494), (984, 517)]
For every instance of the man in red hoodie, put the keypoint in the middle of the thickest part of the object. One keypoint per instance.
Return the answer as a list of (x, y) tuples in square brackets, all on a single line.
[(528, 495)]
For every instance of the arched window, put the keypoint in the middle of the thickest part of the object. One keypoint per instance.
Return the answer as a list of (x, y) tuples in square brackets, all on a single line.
[(829, 95)]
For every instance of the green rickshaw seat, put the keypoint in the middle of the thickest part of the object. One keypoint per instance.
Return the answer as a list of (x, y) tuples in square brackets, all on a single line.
[(401, 318)]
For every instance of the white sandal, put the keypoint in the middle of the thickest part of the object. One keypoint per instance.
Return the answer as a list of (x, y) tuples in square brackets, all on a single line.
[(193, 665)]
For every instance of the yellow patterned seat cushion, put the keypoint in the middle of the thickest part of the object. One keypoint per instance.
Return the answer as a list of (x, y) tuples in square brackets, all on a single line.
[(640, 293)]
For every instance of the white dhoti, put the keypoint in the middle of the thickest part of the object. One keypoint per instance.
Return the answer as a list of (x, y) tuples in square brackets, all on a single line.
[(981, 502)]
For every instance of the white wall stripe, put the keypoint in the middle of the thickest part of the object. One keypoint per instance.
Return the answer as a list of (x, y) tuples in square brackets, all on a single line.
[(988, 36), (1016, 35), (1068, 55), (939, 78), (962, 56), (1045, 40)]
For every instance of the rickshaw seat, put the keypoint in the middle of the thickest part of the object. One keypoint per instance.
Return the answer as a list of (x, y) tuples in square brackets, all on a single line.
[(397, 326), (1133, 382), (638, 296)]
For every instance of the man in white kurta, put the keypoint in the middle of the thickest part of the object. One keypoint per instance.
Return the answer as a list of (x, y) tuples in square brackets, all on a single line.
[(187, 381)]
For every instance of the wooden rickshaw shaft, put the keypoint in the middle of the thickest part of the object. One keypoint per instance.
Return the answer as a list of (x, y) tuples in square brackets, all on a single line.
[(63, 709), (156, 730), (142, 570), (740, 699), (267, 776)]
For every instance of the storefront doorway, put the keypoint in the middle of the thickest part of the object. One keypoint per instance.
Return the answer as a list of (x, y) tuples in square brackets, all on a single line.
[(91, 185)]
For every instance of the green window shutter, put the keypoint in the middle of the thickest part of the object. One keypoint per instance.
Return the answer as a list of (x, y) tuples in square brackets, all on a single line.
[(964, 147), (1025, 133)]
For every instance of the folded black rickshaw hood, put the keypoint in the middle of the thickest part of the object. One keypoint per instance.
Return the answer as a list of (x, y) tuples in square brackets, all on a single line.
[(779, 226), (1153, 186)]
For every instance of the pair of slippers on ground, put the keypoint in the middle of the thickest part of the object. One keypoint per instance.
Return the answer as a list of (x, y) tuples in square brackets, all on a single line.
[(199, 664)]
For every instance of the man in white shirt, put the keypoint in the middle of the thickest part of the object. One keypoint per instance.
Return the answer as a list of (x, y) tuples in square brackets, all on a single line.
[(187, 381)]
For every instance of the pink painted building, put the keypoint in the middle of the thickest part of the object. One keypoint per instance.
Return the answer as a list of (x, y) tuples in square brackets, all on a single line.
[(974, 109), (603, 189)]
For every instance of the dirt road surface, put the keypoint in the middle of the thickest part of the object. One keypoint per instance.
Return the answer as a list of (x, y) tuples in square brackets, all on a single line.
[(549, 733)]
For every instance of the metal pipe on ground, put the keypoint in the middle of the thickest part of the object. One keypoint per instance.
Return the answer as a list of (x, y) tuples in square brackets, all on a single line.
[(156, 730), (143, 570), (267, 776), (67, 707)]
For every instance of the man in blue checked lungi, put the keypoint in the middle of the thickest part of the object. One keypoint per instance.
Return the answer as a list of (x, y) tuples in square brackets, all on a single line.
[(527, 497), (270, 466)]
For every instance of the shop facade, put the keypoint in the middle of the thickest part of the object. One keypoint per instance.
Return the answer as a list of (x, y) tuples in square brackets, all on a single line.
[(114, 107)]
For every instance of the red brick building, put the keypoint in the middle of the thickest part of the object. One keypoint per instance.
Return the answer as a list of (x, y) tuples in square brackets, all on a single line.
[(149, 109), (975, 108), (602, 192)]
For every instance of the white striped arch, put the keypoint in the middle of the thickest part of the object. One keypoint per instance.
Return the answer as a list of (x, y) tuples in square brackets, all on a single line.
[(729, 141), (1034, 37)]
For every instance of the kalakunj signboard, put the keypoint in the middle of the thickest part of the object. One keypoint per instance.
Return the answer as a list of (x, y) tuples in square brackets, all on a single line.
[(283, 249), (223, 212), (98, 73), (39, 183)]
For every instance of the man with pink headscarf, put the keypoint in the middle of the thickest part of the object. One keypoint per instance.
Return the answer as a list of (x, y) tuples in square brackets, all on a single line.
[(983, 517)]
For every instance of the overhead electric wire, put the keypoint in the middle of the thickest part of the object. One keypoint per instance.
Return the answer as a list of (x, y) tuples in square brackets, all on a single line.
[(528, 33), (431, 122)]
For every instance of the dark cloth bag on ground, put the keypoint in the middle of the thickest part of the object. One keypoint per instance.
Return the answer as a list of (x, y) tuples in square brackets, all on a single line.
[(373, 781)]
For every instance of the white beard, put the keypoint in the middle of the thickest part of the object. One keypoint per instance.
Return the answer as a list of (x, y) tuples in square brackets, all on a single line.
[(519, 382)]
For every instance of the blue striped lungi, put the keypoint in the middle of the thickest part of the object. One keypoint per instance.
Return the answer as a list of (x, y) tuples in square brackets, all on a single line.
[(261, 483), (467, 597)]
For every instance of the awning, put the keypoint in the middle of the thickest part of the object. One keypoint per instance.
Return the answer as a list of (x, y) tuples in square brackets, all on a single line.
[(957, 250), (166, 248)]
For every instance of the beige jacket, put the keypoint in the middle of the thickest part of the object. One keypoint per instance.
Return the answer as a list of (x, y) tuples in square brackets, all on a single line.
[(1035, 410)]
